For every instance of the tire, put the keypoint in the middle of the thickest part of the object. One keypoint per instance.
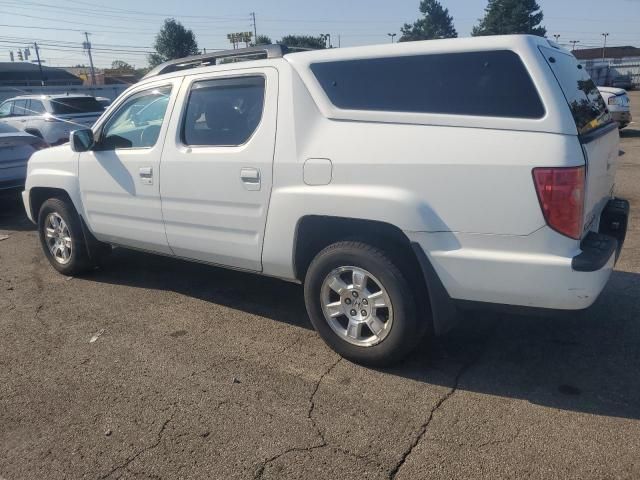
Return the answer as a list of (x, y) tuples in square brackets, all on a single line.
[(331, 312), (63, 241)]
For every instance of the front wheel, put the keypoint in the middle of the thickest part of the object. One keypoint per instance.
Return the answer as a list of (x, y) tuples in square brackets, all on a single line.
[(361, 304), (62, 239)]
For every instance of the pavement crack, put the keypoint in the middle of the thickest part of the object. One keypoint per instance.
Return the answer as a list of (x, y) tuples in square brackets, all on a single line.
[(424, 427), (130, 459), (312, 405)]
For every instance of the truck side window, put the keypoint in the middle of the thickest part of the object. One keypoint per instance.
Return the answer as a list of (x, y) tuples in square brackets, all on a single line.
[(490, 83), (224, 112), (137, 122)]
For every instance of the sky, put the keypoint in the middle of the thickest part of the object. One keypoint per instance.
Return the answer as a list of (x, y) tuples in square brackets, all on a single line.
[(125, 30)]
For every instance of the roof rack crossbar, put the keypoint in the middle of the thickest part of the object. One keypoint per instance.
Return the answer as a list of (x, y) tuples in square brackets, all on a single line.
[(269, 51)]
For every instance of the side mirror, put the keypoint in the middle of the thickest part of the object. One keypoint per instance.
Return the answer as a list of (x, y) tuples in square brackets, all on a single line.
[(81, 140)]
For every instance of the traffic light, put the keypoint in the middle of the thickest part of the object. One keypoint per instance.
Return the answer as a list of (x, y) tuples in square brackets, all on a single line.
[(20, 55)]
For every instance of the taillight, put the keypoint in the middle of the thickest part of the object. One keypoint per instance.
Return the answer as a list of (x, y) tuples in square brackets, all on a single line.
[(561, 196)]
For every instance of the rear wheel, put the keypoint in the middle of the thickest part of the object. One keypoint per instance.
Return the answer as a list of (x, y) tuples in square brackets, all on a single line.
[(63, 241), (361, 304)]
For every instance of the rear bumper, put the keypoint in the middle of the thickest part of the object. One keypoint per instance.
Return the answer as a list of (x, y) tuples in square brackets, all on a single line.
[(513, 272)]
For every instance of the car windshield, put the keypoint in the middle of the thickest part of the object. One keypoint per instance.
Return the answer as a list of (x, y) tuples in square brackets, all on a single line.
[(71, 105)]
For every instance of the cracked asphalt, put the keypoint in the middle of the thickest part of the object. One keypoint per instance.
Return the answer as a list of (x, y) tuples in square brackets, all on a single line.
[(207, 373)]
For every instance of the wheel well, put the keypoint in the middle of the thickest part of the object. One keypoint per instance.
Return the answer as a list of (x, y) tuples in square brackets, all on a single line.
[(34, 131), (316, 232), (39, 195)]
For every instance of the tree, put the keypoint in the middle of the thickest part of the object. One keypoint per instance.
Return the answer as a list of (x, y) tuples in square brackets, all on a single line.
[(303, 41), (505, 17), (173, 41), (262, 40), (122, 66), (436, 23)]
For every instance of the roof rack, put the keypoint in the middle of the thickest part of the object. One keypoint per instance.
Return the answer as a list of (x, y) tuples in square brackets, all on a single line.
[(264, 51)]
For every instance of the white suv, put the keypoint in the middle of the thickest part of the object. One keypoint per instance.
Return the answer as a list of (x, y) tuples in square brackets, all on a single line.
[(398, 183), (51, 117)]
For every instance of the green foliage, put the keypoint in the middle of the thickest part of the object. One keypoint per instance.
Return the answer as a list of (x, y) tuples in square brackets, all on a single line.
[(435, 23), (173, 41), (303, 41), (122, 66), (505, 17), (262, 40)]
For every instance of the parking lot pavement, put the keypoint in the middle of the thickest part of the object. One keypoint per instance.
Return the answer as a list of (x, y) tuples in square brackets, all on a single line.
[(199, 372)]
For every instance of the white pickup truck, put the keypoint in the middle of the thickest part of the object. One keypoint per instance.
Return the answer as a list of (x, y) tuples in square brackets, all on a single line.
[(399, 183)]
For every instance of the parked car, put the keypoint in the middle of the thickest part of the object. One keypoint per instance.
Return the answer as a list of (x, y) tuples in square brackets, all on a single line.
[(399, 183), (16, 147), (618, 103), (50, 117), (104, 101)]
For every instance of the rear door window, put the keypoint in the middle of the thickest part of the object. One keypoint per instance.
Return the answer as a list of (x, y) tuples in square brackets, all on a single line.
[(587, 106), (20, 108), (492, 84), (75, 105), (223, 112)]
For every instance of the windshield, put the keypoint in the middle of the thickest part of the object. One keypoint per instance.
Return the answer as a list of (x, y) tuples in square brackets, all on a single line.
[(587, 106), (71, 105)]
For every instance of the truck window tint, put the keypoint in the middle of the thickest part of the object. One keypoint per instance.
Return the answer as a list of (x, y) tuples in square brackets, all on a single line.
[(493, 84), (223, 112), (587, 106), (137, 122), (74, 105)]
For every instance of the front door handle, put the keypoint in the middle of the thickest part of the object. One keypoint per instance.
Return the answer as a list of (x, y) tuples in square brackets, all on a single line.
[(146, 175), (250, 178)]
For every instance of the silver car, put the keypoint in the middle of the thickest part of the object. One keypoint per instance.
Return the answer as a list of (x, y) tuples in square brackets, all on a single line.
[(16, 148), (50, 117)]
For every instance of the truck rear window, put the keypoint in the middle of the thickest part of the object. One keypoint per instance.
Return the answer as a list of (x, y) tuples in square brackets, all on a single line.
[(587, 106), (71, 105), (492, 84)]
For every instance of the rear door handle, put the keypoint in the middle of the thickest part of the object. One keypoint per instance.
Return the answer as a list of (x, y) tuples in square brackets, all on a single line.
[(146, 175), (250, 178)]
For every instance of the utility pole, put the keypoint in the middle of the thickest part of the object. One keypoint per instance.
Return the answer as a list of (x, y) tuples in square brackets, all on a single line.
[(35, 47), (573, 43), (255, 29), (392, 35), (87, 47), (557, 37), (604, 47)]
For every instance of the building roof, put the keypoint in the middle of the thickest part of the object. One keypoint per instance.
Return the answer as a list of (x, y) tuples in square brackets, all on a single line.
[(25, 74), (610, 52)]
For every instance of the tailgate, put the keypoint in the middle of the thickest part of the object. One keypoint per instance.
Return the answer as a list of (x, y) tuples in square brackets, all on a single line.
[(601, 156), (596, 130)]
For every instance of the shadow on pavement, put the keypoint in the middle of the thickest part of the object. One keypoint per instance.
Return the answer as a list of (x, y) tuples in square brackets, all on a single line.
[(586, 362), (12, 215)]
